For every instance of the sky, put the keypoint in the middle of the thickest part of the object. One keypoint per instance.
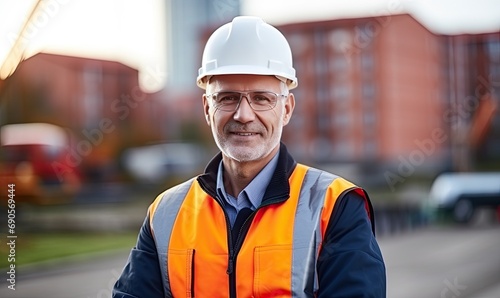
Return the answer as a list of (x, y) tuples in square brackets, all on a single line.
[(128, 31), (440, 16), (133, 32)]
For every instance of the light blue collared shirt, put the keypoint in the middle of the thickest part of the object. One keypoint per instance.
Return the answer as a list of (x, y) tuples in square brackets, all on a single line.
[(251, 196)]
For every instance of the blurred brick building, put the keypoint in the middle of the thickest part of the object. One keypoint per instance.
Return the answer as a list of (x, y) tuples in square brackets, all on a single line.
[(99, 102), (387, 91), (367, 91)]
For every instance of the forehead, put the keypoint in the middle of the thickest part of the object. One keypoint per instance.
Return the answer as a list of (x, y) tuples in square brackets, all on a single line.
[(243, 82)]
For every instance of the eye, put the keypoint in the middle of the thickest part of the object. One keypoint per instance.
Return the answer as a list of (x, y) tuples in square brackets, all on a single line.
[(228, 97), (262, 98)]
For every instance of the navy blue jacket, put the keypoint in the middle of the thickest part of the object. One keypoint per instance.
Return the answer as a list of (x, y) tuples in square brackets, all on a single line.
[(350, 263)]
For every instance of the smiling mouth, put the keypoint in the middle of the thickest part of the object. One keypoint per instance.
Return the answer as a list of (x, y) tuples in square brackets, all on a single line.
[(245, 134)]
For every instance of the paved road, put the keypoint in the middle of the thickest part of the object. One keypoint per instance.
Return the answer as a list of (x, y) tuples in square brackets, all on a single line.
[(432, 262), (69, 279), (444, 262)]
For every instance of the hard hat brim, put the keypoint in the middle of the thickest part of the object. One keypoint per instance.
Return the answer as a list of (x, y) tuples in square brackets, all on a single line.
[(202, 80)]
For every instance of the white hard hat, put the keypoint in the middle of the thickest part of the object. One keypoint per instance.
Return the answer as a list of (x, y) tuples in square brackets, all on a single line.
[(247, 45)]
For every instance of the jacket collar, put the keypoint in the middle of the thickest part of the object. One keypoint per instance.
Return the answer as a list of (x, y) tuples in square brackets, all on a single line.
[(278, 188)]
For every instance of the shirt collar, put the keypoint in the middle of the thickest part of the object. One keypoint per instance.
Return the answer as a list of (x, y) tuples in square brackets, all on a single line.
[(256, 189)]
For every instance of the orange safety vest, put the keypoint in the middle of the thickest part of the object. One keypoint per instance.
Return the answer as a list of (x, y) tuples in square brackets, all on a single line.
[(278, 256)]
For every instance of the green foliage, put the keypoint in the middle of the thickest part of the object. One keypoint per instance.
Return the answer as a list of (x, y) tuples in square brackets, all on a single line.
[(33, 248)]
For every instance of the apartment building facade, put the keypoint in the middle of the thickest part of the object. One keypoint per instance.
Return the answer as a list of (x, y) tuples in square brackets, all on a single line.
[(387, 91)]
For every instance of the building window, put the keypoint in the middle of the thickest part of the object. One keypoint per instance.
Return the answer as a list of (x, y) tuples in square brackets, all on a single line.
[(321, 94), (338, 64), (369, 119), (92, 101), (370, 148), (343, 149), (340, 40), (368, 91), (320, 66), (298, 43), (340, 92), (341, 122), (494, 50), (367, 60), (494, 67)]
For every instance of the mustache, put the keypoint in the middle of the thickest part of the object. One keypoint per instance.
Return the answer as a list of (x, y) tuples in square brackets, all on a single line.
[(235, 126)]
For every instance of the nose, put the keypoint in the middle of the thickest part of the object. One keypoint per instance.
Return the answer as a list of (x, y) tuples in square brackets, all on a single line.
[(244, 112)]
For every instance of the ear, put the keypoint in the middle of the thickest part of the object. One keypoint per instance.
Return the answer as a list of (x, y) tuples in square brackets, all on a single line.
[(206, 108), (289, 106)]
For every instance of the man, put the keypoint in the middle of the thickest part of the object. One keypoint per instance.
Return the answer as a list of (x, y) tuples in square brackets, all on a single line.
[(256, 223)]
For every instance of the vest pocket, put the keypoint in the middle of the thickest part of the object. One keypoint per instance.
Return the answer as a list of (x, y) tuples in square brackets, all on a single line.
[(272, 271), (181, 262)]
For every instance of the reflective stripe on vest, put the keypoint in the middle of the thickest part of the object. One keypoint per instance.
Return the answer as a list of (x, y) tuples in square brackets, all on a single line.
[(278, 256), (162, 220)]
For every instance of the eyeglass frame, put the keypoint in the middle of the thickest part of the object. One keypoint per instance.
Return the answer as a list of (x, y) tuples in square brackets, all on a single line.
[(248, 98)]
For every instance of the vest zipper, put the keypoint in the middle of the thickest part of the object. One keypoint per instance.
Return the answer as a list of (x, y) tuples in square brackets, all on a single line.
[(233, 254), (231, 258), (230, 263), (192, 274)]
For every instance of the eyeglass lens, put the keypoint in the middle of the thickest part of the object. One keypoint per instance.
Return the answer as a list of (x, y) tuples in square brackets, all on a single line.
[(258, 100)]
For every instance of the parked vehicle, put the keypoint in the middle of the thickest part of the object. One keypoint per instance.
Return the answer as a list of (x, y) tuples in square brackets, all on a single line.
[(460, 194), (166, 161), (33, 160)]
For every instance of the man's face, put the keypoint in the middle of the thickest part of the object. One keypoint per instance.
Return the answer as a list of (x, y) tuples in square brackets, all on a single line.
[(247, 135)]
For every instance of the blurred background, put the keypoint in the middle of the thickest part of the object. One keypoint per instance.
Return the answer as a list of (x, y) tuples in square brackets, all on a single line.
[(99, 112)]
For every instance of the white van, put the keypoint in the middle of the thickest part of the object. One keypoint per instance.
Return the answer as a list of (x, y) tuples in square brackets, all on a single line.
[(461, 193)]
